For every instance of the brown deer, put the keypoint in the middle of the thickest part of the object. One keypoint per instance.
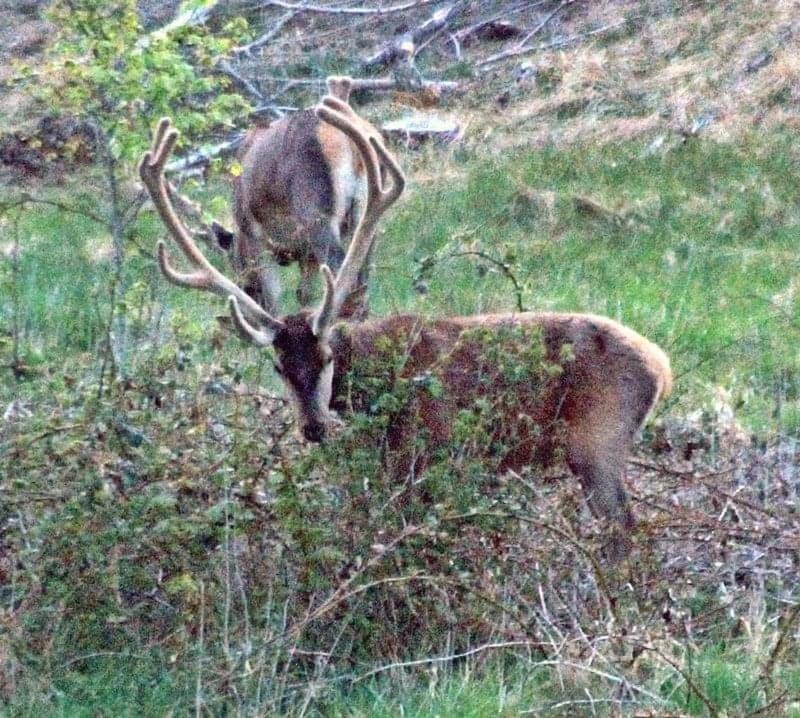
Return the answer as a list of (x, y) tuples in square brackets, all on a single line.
[(301, 192), (590, 410)]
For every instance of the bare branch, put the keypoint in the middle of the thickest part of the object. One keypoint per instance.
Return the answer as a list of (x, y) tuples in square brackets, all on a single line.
[(446, 659), (547, 19), (26, 198), (332, 10), (690, 682), (264, 39), (240, 82), (788, 626), (503, 267), (586, 701)]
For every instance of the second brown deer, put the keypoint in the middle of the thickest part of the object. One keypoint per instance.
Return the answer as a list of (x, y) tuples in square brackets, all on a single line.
[(299, 196), (588, 411)]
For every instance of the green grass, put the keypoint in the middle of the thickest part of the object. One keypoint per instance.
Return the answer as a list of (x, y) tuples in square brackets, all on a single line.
[(144, 686), (694, 250), (694, 247), (108, 686)]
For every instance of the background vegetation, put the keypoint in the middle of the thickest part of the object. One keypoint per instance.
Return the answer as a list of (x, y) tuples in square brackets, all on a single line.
[(166, 543)]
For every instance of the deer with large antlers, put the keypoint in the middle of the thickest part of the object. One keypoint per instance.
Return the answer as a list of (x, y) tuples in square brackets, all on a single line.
[(588, 411), (299, 195)]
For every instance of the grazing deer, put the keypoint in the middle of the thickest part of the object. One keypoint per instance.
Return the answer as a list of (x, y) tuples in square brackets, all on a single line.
[(301, 192), (610, 376)]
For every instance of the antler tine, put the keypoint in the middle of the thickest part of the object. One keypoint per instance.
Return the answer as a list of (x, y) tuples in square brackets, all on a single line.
[(206, 276), (158, 138), (340, 86), (193, 280), (246, 330), (398, 177), (341, 115)]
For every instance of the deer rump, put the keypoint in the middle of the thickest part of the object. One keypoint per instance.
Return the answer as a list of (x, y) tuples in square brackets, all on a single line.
[(588, 387), (299, 197)]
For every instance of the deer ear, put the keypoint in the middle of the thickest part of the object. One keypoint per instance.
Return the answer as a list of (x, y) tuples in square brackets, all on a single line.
[(223, 236)]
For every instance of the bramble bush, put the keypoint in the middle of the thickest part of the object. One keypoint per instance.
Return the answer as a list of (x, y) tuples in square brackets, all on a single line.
[(177, 511)]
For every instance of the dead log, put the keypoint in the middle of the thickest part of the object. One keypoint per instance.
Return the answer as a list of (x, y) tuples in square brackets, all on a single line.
[(404, 47), (419, 127)]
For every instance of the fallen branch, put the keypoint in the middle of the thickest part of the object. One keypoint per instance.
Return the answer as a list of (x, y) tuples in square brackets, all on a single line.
[(520, 51), (386, 84), (203, 156), (302, 7), (365, 84), (272, 33)]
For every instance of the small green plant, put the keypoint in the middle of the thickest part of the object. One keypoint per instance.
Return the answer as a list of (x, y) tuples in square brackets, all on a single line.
[(113, 80)]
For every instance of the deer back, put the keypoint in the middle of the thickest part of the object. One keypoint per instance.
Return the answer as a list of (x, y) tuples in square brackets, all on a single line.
[(297, 174), (592, 376)]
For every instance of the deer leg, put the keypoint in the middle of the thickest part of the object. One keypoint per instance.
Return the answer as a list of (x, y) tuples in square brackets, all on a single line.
[(269, 286), (258, 276), (326, 245), (606, 497), (600, 472), (600, 475), (324, 249)]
